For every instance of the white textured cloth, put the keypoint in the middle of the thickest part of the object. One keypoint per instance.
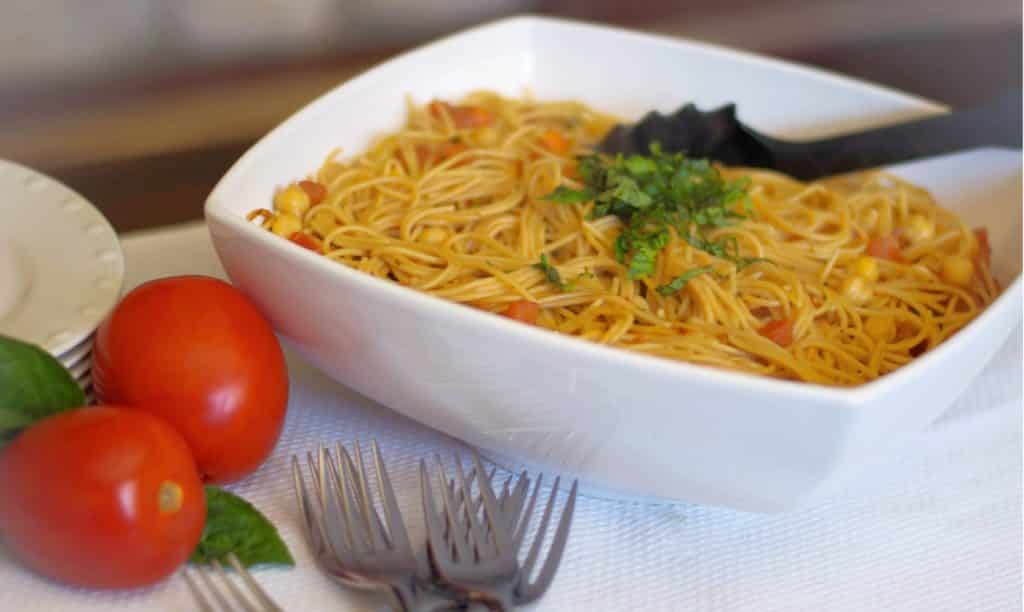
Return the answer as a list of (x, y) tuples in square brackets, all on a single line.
[(938, 529)]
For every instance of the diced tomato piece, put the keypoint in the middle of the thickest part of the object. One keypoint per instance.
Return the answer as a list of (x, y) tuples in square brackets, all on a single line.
[(451, 149), (523, 310), (918, 349), (571, 171), (423, 154), (462, 116), (437, 108), (471, 116), (306, 241), (779, 331), (885, 247), (554, 141), (314, 190), (984, 255)]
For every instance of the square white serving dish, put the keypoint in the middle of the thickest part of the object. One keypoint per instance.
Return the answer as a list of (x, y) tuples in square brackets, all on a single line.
[(623, 422)]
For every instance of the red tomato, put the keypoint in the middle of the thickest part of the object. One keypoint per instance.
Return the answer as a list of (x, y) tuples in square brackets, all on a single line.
[(314, 190), (462, 116), (886, 247), (306, 241), (101, 497), (194, 351), (451, 149), (555, 142), (779, 331), (523, 310)]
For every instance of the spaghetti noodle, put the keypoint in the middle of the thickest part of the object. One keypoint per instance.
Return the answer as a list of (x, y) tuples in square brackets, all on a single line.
[(850, 277)]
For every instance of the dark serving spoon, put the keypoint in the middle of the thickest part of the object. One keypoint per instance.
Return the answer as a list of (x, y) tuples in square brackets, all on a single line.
[(718, 135)]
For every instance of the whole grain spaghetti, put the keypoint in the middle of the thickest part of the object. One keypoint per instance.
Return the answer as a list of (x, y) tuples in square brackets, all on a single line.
[(834, 282)]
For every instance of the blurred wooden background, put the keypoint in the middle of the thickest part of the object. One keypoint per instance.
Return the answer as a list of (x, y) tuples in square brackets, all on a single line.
[(142, 106)]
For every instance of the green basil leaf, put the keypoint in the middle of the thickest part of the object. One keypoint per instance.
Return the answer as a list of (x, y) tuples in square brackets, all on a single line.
[(566, 195), (550, 272), (233, 525), (680, 281), (637, 164), (33, 386), (651, 192)]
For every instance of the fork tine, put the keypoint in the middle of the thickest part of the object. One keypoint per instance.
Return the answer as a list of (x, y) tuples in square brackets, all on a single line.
[(340, 494), (477, 502), (488, 548), (254, 586), (324, 498), (396, 526), (357, 507), (314, 471), (471, 475), (302, 499), (533, 590), (515, 505), (368, 507), (232, 588), (476, 531), (524, 521), (362, 482), (505, 496), (213, 590), (436, 538), (494, 516), (458, 534), (197, 593), (370, 503), (538, 538)]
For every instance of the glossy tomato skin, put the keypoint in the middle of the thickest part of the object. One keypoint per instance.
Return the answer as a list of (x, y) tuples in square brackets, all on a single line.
[(101, 497), (194, 351)]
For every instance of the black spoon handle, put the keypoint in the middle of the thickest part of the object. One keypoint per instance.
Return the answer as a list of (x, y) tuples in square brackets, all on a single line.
[(997, 123)]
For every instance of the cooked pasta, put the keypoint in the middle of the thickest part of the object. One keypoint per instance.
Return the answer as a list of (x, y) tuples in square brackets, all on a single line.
[(835, 282)]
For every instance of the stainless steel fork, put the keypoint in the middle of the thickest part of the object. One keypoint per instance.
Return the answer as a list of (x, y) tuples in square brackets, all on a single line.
[(349, 536), (211, 598), (480, 554)]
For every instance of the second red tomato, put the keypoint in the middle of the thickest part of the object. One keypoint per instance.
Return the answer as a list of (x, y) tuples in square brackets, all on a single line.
[(196, 352)]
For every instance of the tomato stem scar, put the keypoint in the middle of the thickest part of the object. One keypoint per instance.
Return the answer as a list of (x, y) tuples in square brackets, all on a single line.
[(170, 497)]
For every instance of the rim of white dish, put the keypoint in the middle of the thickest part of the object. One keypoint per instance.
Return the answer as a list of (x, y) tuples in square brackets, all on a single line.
[(58, 312)]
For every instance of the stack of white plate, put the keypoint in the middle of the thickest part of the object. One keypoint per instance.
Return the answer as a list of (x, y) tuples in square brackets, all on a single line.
[(78, 361), (61, 268)]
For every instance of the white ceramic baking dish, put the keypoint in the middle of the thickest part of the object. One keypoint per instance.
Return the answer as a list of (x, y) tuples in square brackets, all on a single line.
[(623, 422)]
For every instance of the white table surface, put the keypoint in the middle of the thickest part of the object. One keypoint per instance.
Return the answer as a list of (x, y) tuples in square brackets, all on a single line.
[(938, 529)]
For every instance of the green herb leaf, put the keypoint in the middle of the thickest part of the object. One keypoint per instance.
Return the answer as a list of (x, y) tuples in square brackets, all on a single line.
[(234, 525), (549, 271), (680, 281), (567, 195), (33, 386), (625, 192), (743, 262), (651, 193)]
